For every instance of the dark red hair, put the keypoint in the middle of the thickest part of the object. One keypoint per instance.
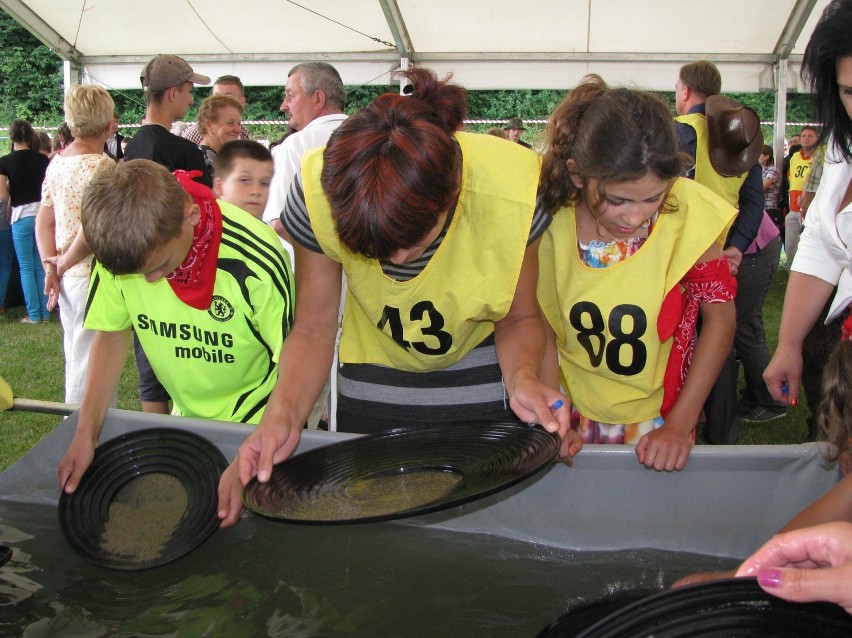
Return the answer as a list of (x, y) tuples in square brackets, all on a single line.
[(393, 168)]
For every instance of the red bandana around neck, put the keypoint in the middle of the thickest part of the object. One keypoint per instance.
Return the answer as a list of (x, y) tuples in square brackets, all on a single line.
[(193, 280), (846, 332)]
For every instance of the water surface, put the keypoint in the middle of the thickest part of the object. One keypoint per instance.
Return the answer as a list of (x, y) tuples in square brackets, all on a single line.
[(269, 578)]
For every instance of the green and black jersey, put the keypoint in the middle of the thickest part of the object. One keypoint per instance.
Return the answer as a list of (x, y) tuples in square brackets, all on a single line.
[(220, 363)]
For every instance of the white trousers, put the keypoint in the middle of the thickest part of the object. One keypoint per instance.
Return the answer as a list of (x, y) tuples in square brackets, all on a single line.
[(76, 341)]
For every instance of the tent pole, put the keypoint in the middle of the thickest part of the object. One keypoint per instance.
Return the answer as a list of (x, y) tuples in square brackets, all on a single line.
[(404, 65), (70, 74), (780, 69)]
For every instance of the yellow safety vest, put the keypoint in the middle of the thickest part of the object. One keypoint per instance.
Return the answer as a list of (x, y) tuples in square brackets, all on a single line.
[(800, 167), (612, 361), (434, 319)]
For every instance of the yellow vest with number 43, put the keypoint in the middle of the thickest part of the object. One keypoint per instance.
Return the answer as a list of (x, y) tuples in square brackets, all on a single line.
[(436, 318)]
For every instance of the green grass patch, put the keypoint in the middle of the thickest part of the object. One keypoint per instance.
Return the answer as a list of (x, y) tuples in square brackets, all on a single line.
[(32, 363)]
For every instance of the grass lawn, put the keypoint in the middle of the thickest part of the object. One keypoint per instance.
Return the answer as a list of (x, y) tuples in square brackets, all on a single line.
[(31, 362)]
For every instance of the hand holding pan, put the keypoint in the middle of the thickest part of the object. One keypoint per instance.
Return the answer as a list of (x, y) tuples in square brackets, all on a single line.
[(148, 498), (401, 472)]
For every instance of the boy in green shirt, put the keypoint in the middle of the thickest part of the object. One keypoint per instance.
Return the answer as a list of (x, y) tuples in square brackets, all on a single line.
[(208, 290)]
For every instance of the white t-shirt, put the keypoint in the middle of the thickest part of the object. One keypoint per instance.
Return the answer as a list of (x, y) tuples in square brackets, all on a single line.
[(288, 159)]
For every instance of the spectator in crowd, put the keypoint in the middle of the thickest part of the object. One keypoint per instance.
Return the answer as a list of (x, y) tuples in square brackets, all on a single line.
[(754, 276), (7, 249), (61, 243), (514, 127), (219, 123), (728, 166), (168, 82), (824, 260), (113, 146), (46, 144), (771, 186), (496, 131), (61, 138), (797, 174), (813, 180), (242, 175), (314, 97), (21, 175), (224, 85), (791, 147)]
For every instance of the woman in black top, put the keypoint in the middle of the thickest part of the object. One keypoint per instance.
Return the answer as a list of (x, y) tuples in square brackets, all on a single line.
[(21, 174)]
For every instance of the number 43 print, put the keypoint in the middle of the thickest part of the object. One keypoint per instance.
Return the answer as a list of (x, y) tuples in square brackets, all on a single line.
[(431, 325)]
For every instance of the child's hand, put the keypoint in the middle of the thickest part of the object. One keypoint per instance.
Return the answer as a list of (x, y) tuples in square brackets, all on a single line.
[(76, 461), (664, 449), (230, 503)]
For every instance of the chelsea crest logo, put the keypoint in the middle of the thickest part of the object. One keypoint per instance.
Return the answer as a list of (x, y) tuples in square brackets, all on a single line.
[(220, 309)]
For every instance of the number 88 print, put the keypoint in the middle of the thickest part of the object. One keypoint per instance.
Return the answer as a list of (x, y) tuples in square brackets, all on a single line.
[(626, 355)]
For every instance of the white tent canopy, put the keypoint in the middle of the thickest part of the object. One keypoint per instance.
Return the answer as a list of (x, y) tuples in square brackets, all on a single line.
[(486, 44)]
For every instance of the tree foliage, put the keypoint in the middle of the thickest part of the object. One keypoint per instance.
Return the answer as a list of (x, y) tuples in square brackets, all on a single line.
[(31, 88), (30, 76)]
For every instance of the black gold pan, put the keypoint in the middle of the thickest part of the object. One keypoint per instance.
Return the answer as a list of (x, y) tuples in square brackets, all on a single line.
[(148, 498), (730, 607), (401, 472)]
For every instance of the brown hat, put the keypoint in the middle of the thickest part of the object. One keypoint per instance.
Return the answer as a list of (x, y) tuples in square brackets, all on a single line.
[(165, 71), (515, 123), (735, 138)]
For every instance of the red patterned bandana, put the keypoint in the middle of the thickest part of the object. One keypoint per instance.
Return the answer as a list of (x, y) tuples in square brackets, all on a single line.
[(193, 280), (846, 334)]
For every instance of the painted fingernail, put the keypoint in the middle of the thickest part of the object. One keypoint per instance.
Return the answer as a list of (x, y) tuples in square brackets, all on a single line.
[(794, 402), (784, 388), (557, 404), (769, 577)]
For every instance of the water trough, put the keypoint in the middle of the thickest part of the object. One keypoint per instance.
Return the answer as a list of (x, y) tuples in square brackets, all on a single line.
[(503, 566)]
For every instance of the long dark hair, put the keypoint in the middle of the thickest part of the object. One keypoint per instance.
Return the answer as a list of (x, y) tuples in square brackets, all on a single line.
[(834, 416), (392, 169), (22, 132), (611, 135), (829, 41)]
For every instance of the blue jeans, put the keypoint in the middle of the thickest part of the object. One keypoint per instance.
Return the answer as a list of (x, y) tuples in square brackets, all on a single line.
[(6, 248), (32, 272)]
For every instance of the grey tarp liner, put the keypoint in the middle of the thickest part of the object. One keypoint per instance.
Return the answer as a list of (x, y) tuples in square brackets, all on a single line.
[(727, 501)]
